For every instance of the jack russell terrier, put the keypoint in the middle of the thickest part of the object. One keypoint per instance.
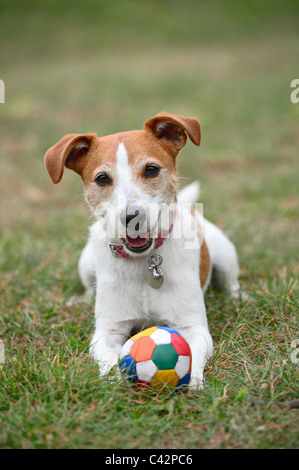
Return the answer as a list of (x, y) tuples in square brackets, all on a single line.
[(150, 254)]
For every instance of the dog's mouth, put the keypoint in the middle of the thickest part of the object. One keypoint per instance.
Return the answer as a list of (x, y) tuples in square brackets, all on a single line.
[(138, 244)]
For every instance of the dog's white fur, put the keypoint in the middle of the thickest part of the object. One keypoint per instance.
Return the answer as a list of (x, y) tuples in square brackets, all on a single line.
[(124, 299)]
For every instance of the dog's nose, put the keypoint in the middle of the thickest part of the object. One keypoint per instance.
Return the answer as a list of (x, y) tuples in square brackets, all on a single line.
[(131, 217), (130, 213)]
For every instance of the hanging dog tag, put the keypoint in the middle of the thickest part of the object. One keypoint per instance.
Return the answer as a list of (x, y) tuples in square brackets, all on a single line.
[(155, 276)]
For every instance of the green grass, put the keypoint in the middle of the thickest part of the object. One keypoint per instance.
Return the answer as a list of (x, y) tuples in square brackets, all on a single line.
[(109, 66)]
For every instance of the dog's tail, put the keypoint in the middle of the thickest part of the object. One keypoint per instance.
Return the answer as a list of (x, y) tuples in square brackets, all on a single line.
[(190, 193)]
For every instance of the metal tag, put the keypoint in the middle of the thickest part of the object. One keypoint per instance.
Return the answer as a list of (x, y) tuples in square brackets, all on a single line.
[(155, 276)]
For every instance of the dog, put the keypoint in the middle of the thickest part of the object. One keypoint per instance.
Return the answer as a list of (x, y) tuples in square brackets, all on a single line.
[(145, 266)]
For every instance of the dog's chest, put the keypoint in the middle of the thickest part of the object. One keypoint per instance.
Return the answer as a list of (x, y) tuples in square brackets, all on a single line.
[(123, 288)]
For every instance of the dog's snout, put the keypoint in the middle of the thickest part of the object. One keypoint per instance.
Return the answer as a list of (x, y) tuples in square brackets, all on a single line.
[(132, 212), (130, 217)]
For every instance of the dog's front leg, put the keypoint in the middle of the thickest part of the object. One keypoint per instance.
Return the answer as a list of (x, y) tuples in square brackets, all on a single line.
[(201, 345), (106, 345)]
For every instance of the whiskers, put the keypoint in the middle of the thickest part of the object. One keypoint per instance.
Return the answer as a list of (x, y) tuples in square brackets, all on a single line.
[(182, 179)]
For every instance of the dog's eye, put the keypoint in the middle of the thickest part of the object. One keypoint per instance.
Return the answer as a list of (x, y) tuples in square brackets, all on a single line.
[(151, 170), (102, 179)]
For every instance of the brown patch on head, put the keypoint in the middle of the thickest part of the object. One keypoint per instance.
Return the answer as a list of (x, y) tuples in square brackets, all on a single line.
[(172, 130), (82, 153), (162, 137), (143, 149), (102, 160), (158, 143), (70, 151)]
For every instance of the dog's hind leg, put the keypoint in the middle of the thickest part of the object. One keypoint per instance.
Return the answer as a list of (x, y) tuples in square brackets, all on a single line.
[(86, 267), (224, 260)]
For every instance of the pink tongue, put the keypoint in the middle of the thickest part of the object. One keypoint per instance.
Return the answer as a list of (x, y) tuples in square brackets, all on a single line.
[(137, 242)]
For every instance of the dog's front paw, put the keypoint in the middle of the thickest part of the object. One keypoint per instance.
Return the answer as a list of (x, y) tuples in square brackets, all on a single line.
[(105, 366), (197, 382), (112, 375)]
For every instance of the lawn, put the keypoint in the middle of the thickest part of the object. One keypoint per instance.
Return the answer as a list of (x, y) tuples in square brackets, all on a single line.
[(109, 66)]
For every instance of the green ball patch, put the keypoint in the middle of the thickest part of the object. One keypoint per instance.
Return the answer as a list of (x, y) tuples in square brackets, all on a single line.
[(165, 356)]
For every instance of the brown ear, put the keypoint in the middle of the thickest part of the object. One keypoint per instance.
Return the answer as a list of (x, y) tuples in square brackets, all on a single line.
[(171, 129), (71, 151)]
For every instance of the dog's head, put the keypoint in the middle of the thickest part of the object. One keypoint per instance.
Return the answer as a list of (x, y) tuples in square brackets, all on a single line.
[(129, 177)]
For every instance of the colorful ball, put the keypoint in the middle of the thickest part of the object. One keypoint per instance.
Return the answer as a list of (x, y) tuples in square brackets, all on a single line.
[(157, 356)]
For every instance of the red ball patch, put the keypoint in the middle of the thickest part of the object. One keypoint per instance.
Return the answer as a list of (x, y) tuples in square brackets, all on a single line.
[(180, 344)]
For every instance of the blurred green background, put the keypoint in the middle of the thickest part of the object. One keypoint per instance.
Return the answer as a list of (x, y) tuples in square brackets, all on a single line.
[(109, 66)]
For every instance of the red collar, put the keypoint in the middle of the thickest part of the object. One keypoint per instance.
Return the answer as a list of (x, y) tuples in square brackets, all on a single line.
[(118, 251)]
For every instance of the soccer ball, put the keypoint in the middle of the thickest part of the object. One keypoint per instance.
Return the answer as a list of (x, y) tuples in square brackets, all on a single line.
[(157, 356)]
